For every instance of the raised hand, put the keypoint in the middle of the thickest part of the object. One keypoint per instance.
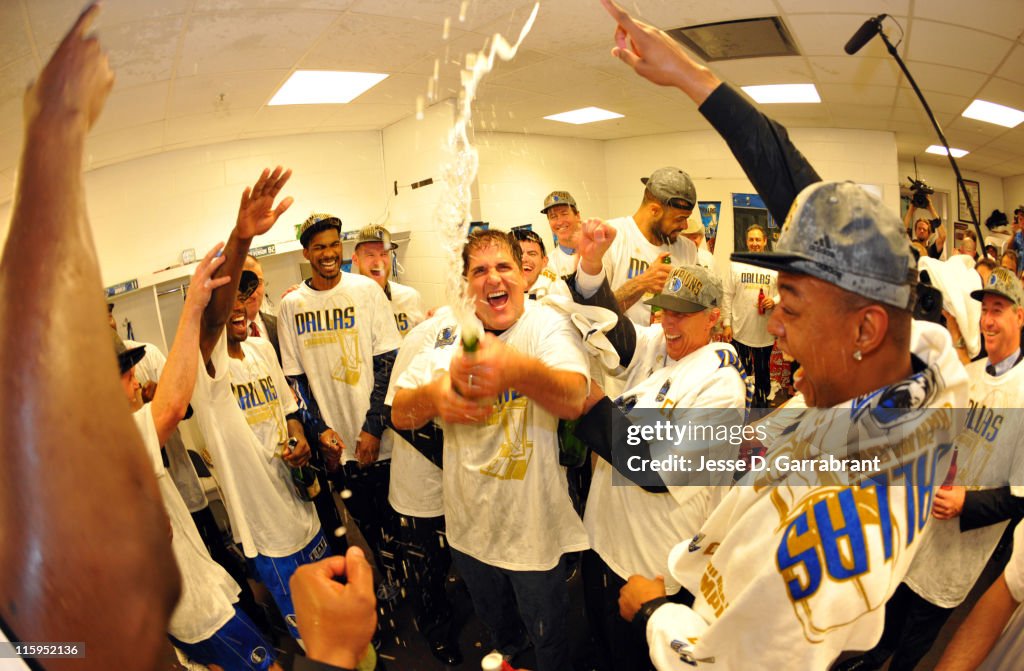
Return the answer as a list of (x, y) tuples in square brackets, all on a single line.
[(203, 283), (256, 212), (656, 275), (657, 57), (75, 83), (594, 240)]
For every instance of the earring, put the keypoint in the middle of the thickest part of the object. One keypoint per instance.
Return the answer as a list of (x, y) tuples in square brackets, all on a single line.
[(857, 356)]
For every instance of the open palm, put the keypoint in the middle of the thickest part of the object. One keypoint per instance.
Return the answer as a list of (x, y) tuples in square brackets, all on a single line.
[(256, 212)]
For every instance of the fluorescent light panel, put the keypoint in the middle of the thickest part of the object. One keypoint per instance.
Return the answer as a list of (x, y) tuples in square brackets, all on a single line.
[(993, 113), (584, 115), (941, 151), (783, 93), (324, 87)]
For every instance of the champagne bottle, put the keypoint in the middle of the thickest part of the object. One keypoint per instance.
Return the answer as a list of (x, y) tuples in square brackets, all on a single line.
[(572, 453), (303, 477)]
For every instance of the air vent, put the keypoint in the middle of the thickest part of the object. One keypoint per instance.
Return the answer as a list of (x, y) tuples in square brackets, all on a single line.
[(729, 40)]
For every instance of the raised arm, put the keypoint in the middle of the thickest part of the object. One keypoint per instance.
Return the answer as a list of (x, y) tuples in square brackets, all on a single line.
[(93, 564), (179, 375), (761, 146), (256, 215)]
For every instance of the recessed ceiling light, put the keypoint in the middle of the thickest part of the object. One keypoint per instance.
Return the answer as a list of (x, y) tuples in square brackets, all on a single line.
[(783, 93), (993, 113), (322, 87), (941, 151), (584, 115)]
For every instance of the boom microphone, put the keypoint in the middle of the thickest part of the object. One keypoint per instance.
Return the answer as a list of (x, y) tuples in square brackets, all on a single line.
[(871, 27)]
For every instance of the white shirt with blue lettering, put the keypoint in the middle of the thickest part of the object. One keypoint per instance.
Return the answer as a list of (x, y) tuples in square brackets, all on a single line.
[(949, 561), (241, 411), (407, 306), (506, 497), (741, 287), (332, 336), (634, 530), (791, 574), (630, 255)]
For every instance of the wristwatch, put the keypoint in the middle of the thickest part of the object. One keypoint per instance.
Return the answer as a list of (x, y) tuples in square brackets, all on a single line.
[(647, 609)]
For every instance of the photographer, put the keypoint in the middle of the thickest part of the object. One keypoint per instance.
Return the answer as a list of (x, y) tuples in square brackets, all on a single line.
[(923, 228)]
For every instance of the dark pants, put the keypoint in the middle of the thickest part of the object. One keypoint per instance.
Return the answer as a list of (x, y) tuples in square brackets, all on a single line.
[(425, 563), (370, 509), (621, 646), (911, 627), (757, 360), (507, 600)]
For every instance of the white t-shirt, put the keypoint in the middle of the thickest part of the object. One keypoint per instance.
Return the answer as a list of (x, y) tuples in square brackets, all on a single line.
[(742, 285), (631, 254), (634, 530), (407, 306), (183, 473), (949, 561), (775, 587), (705, 258), (416, 483), (506, 497), (1009, 649), (241, 412), (332, 336), (207, 591), (560, 263)]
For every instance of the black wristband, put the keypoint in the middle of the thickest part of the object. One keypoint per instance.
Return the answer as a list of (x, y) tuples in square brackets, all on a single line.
[(647, 609)]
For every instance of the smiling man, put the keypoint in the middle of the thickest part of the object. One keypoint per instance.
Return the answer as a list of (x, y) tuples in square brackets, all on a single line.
[(564, 220), (510, 519), (971, 514), (338, 343), (673, 365), (650, 241), (778, 578), (372, 256)]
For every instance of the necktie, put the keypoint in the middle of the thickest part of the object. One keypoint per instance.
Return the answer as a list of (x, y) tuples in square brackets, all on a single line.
[(253, 331)]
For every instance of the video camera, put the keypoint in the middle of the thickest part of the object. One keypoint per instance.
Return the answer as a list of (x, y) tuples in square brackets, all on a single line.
[(919, 192)]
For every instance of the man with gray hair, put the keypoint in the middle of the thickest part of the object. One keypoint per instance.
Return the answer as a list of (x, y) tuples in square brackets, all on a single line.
[(806, 560), (650, 242)]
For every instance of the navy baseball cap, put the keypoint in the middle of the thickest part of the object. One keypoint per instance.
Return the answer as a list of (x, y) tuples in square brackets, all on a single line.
[(843, 234), (126, 358)]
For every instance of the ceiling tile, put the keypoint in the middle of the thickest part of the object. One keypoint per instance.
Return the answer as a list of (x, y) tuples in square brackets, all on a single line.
[(51, 19), (15, 77), (477, 12), (1013, 68), (121, 144), (126, 108), (826, 34), (846, 94), (206, 128), (142, 52), (364, 116), (943, 79), (855, 70), (1003, 92), (240, 90), (223, 5), (929, 42), (540, 77), (863, 8), (1000, 17), (16, 37), (668, 15), (233, 42), (368, 43), (754, 71)]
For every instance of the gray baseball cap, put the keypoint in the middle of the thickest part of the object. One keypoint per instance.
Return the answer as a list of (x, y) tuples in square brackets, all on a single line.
[(689, 289), (672, 184), (375, 233), (558, 198), (841, 233), (1002, 282)]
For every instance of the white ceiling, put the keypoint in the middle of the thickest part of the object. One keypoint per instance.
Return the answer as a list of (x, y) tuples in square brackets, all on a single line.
[(194, 72)]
